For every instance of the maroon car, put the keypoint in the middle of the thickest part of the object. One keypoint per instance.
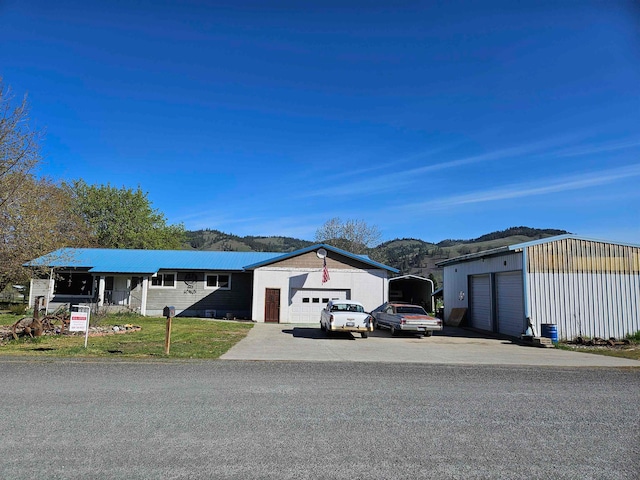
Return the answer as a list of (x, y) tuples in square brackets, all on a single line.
[(402, 317)]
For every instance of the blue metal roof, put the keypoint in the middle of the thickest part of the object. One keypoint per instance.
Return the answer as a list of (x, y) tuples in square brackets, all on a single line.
[(103, 260)]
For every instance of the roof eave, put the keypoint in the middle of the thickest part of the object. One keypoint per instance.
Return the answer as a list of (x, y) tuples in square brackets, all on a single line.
[(317, 246), (519, 246), (474, 256)]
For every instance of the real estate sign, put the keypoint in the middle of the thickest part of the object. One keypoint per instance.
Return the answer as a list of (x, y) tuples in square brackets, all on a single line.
[(79, 322)]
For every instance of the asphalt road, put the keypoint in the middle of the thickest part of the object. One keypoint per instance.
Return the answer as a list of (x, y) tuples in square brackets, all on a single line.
[(298, 420)]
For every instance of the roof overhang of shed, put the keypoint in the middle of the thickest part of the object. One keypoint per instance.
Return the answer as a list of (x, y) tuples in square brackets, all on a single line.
[(519, 247)]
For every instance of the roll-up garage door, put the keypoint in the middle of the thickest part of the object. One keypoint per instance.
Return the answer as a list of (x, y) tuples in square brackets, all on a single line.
[(480, 302), (510, 305), (307, 304)]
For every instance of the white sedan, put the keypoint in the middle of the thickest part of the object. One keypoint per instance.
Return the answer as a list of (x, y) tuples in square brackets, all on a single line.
[(346, 316)]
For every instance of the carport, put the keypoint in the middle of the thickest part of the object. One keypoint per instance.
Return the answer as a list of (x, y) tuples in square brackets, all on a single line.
[(412, 289)]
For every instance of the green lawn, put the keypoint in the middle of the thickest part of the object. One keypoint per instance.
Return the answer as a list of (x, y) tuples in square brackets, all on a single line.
[(190, 338)]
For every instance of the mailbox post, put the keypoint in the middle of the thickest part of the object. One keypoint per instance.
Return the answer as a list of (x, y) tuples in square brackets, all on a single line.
[(168, 312)]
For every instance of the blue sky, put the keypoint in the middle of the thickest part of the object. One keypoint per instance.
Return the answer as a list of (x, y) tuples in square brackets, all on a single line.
[(429, 119)]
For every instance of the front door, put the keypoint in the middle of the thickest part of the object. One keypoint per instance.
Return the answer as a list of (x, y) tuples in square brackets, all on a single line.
[(272, 305)]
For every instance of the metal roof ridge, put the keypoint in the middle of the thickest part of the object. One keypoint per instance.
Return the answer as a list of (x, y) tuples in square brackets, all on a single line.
[(471, 256), (522, 245), (556, 238)]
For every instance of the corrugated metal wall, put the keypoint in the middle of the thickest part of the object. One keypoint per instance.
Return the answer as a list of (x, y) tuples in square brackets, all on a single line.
[(456, 280), (585, 287)]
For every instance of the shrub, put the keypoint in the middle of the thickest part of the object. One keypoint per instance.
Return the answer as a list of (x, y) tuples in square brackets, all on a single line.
[(18, 309), (634, 337)]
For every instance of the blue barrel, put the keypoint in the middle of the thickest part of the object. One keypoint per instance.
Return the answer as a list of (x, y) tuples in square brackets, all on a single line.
[(549, 330)]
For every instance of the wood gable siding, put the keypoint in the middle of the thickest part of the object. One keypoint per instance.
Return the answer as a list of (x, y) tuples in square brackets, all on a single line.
[(311, 261), (191, 296)]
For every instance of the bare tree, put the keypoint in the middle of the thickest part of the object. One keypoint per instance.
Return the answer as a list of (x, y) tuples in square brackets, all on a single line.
[(19, 146), (355, 236), (34, 213)]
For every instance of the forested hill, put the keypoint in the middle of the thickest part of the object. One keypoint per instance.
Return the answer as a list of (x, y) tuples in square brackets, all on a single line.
[(409, 255), (531, 233), (412, 256), (217, 240)]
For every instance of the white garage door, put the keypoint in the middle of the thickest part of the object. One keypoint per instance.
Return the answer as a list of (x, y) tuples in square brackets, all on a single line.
[(307, 304), (510, 306), (480, 302)]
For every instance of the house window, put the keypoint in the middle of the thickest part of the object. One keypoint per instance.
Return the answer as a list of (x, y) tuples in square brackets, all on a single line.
[(79, 284), (164, 280), (217, 281)]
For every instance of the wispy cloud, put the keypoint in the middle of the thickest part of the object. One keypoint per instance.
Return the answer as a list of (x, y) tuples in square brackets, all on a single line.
[(541, 187), (591, 149), (214, 219), (386, 164), (375, 185)]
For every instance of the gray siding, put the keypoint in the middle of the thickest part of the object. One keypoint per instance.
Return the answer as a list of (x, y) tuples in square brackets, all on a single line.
[(191, 298)]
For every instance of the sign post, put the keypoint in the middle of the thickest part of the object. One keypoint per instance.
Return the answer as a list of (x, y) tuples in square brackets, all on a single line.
[(168, 312), (79, 321)]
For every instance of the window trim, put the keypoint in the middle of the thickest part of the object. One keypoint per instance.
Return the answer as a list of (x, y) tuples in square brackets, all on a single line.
[(217, 275), (175, 280)]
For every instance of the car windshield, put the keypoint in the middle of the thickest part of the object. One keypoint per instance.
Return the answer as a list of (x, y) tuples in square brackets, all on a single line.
[(413, 310), (346, 307)]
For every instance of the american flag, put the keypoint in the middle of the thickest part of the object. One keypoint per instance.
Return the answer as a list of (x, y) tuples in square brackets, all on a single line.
[(325, 272)]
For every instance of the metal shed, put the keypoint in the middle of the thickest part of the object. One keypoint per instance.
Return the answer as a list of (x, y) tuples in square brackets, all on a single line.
[(412, 289), (585, 287)]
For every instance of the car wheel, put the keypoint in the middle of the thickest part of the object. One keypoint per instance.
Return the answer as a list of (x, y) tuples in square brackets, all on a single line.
[(364, 334), (322, 327), (394, 332), (428, 333)]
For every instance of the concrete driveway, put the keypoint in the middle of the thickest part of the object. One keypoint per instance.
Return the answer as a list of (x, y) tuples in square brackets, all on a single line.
[(452, 346)]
